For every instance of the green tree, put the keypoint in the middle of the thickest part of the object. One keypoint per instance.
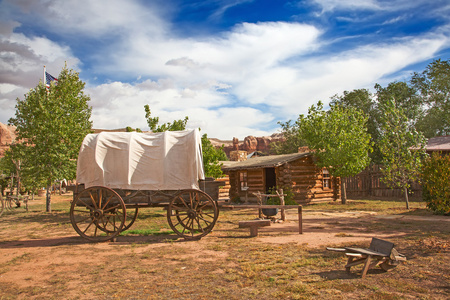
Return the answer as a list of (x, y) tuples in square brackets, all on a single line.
[(433, 85), (8, 168), (292, 140), (53, 123), (406, 98), (339, 139), (363, 100), (153, 122), (401, 146), (212, 157)]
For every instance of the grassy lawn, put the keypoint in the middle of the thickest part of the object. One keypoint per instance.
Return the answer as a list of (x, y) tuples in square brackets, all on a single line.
[(41, 257)]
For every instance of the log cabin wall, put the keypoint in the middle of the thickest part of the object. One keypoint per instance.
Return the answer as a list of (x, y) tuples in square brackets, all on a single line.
[(306, 181), (255, 183), (302, 176)]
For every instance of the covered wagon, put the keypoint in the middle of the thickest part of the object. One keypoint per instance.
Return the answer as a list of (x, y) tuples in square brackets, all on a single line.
[(120, 172)]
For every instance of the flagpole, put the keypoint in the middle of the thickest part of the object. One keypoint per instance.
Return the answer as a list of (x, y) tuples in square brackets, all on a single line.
[(44, 80)]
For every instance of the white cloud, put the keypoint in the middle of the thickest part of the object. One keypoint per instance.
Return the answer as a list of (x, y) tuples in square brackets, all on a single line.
[(238, 83), (22, 60), (330, 5)]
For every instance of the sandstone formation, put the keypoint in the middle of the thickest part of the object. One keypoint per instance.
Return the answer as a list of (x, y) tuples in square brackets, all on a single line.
[(7, 136), (249, 144)]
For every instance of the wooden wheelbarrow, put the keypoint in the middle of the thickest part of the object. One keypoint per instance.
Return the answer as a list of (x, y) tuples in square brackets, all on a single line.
[(380, 253)]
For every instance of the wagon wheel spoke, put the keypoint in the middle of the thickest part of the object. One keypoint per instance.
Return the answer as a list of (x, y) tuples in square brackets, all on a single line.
[(107, 202), (87, 228), (81, 201), (111, 208), (178, 208), (103, 216), (93, 201), (192, 214), (183, 202)]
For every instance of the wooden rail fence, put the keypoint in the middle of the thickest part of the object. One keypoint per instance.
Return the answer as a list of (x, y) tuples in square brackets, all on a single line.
[(369, 183)]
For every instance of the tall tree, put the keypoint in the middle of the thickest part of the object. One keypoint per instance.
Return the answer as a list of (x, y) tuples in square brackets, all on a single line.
[(53, 122), (401, 145), (433, 85), (339, 139), (363, 100), (405, 97)]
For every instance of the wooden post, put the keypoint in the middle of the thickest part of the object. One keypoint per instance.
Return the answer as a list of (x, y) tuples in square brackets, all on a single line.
[(259, 197), (300, 220), (283, 212)]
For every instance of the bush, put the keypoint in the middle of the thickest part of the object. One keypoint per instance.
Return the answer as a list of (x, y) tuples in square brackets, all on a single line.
[(436, 183), (288, 199)]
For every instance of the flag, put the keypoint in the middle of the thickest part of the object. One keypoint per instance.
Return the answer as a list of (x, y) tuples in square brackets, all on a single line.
[(49, 78)]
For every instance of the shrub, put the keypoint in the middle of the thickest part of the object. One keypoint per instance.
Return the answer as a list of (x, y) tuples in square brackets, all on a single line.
[(436, 183), (288, 199)]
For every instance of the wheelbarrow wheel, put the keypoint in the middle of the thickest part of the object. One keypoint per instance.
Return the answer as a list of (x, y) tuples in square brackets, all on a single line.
[(192, 214), (388, 265), (98, 214)]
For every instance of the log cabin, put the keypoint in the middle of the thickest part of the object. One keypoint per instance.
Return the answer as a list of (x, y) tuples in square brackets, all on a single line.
[(296, 172)]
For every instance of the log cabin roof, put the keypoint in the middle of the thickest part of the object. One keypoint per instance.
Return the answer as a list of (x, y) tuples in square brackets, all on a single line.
[(439, 143), (269, 161)]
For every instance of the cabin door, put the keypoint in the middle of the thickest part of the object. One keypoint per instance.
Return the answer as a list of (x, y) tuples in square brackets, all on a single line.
[(270, 178)]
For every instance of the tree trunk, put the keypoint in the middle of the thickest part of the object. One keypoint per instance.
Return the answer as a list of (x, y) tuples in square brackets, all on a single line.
[(48, 207), (406, 197), (343, 192)]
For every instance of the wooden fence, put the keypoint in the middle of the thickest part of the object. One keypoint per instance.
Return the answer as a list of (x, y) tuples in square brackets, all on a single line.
[(369, 183)]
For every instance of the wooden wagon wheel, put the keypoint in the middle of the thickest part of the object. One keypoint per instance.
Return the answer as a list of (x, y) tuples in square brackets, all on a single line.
[(132, 213), (192, 214), (98, 214)]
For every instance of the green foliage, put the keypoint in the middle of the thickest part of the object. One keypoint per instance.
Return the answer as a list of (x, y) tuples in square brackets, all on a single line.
[(363, 100), (53, 123), (338, 138), (288, 199), (292, 140), (433, 85), (436, 183), (130, 129), (211, 158), (176, 125), (405, 98), (401, 145)]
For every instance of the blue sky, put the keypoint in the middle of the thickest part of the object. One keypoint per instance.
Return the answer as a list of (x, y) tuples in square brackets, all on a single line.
[(234, 67)]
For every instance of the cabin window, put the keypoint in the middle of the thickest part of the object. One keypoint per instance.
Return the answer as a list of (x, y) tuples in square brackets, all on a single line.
[(326, 179), (243, 179)]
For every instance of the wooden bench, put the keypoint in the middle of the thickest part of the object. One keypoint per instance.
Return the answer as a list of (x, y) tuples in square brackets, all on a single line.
[(380, 252), (254, 225)]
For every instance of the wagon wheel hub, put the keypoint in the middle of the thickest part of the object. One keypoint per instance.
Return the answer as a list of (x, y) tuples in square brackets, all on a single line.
[(192, 214), (98, 213)]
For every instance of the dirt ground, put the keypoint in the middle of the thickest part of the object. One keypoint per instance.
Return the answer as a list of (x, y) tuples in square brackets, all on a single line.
[(43, 257)]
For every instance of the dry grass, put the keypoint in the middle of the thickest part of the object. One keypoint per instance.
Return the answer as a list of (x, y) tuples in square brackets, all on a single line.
[(42, 258)]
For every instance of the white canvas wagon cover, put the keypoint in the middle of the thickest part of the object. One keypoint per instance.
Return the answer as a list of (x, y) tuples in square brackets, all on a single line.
[(168, 160)]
